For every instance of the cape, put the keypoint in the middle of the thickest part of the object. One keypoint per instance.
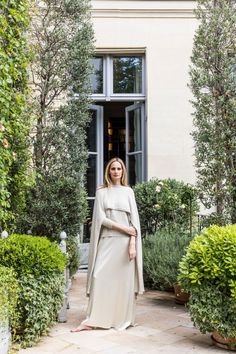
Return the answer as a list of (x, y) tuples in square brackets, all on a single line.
[(99, 215)]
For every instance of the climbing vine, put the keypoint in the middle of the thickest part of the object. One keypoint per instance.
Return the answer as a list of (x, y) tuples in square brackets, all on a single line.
[(14, 117)]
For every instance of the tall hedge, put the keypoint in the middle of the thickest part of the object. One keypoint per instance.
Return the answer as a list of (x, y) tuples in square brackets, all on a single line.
[(62, 38), (14, 119), (213, 83)]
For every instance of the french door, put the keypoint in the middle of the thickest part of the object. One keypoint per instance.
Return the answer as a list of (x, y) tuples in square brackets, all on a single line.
[(95, 151), (133, 132), (134, 124), (135, 143)]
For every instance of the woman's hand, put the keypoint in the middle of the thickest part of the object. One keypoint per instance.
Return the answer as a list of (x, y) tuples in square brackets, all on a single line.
[(132, 248), (131, 231)]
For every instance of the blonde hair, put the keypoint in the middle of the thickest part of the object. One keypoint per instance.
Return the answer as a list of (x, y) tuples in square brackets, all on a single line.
[(107, 178)]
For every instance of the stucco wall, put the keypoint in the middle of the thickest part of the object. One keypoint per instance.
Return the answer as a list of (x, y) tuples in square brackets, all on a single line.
[(165, 29)]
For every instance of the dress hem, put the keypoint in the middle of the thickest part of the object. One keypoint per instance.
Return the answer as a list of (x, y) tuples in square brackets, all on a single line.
[(88, 323)]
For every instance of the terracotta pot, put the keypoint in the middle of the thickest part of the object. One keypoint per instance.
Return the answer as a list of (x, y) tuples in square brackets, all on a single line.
[(20, 330), (225, 343), (181, 296)]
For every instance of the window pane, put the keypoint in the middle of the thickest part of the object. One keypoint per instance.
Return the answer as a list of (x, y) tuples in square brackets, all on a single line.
[(88, 223), (127, 74), (135, 169), (91, 136), (91, 175), (97, 76), (135, 139)]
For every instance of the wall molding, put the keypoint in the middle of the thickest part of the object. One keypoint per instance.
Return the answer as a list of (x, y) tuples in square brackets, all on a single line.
[(143, 13), (143, 8)]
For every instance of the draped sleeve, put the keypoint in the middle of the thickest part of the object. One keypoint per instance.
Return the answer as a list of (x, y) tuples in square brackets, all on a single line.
[(134, 219), (98, 219)]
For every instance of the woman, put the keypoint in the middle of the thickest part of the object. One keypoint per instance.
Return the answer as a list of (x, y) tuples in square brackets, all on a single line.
[(115, 256)]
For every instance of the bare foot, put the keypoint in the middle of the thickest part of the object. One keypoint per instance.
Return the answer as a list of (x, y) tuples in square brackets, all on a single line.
[(82, 328)]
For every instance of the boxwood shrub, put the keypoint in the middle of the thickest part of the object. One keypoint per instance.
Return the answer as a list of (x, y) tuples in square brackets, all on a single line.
[(39, 265), (208, 271), (31, 255)]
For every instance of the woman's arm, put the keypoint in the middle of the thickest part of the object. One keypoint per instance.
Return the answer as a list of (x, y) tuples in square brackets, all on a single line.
[(132, 248), (110, 224), (129, 230)]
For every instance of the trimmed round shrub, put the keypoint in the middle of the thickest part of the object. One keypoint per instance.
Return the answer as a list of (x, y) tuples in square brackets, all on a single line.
[(31, 255), (162, 252), (39, 265), (208, 271), (211, 258)]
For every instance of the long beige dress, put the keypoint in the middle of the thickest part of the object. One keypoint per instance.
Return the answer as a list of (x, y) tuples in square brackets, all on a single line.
[(113, 279)]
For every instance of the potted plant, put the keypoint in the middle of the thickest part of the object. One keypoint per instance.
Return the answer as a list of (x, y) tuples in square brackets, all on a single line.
[(162, 253), (208, 271), (181, 296)]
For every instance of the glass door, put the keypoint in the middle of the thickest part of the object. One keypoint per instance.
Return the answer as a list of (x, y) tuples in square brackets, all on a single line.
[(94, 175), (134, 116), (95, 150)]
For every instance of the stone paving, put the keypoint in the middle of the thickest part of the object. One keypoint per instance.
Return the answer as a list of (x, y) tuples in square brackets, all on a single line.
[(162, 327)]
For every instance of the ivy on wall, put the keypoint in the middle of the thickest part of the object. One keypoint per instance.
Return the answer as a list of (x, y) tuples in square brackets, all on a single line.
[(14, 120)]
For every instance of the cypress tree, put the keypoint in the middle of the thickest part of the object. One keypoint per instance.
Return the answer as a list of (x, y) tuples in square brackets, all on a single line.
[(62, 40), (213, 83)]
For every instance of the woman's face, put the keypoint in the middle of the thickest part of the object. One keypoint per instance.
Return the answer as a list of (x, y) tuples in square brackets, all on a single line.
[(115, 172)]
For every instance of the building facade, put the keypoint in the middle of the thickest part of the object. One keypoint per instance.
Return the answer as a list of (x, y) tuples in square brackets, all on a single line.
[(141, 100)]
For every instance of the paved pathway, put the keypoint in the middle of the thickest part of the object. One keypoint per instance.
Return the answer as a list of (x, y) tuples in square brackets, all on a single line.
[(162, 328)]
